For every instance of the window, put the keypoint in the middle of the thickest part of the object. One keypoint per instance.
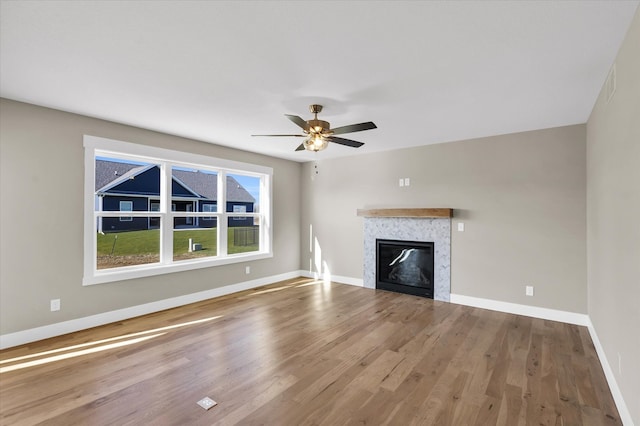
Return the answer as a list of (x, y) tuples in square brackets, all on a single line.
[(126, 206), (208, 208), (151, 211), (239, 209)]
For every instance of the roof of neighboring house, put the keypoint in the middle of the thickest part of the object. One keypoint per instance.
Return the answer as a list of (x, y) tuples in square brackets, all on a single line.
[(203, 184), (109, 171), (237, 192)]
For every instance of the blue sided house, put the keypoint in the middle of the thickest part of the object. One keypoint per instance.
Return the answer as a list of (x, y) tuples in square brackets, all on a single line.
[(123, 186)]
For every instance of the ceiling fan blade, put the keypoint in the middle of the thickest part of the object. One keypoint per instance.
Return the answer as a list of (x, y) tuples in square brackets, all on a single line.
[(298, 121), (354, 128), (297, 136), (300, 148), (347, 142)]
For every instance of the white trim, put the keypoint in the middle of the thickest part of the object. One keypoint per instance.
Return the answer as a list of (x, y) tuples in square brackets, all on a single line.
[(57, 329), (223, 228), (138, 271), (623, 410), (136, 151), (358, 282), (526, 310)]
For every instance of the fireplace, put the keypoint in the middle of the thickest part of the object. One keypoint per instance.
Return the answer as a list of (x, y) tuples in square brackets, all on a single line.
[(410, 225), (405, 267)]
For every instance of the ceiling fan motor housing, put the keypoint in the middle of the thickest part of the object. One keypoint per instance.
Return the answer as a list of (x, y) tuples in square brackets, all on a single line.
[(318, 126)]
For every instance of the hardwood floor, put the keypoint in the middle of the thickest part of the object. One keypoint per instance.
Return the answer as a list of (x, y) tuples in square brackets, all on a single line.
[(302, 352)]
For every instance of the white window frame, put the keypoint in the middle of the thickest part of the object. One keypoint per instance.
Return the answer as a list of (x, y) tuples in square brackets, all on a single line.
[(102, 147)]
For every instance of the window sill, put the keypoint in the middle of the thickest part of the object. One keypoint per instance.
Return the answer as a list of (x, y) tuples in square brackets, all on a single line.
[(132, 272)]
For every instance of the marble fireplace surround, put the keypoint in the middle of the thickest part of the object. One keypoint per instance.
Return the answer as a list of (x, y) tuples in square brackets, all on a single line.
[(410, 225)]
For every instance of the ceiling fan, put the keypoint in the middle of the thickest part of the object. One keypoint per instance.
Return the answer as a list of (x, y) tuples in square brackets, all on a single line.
[(318, 133)]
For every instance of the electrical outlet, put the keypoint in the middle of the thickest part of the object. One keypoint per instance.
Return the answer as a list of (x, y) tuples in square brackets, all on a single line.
[(55, 305), (247, 270), (407, 182), (529, 290)]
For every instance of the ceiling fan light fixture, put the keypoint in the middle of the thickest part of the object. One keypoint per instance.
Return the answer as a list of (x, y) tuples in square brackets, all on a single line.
[(315, 143)]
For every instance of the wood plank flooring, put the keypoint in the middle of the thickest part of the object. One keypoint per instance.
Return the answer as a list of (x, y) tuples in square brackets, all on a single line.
[(302, 352)]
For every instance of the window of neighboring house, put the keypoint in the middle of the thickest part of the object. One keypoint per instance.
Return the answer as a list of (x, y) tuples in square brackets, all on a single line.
[(154, 206), (189, 219), (208, 208), (126, 206), (239, 209), (178, 231)]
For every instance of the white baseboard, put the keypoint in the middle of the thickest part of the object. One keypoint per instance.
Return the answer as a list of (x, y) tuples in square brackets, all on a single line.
[(526, 310), (561, 316), (623, 410), (57, 329), (359, 282)]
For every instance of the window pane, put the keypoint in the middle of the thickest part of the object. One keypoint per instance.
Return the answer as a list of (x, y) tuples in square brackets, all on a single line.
[(194, 190), (122, 185), (126, 248), (243, 193), (196, 240), (243, 238)]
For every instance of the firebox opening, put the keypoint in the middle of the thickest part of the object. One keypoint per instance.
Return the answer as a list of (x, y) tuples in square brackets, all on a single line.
[(405, 267)]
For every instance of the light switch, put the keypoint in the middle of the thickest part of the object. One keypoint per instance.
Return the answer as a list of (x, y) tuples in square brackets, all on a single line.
[(407, 181), (401, 182), (460, 226)]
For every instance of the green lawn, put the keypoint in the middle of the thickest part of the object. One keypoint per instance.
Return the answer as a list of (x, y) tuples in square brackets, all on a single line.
[(134, 243), (208, 238)]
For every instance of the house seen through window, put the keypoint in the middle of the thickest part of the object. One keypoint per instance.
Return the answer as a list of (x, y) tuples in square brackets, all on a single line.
[(152, 214)]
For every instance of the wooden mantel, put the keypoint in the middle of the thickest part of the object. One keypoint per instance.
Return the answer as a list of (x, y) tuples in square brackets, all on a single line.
[(426, 213)]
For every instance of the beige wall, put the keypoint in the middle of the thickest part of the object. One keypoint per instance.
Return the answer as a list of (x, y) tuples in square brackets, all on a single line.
[(41, 220), (613, 219), (522, 198)]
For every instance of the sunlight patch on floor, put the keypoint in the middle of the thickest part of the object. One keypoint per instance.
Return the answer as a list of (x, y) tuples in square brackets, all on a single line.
[(315, 282), (95, 343), (76, 353)]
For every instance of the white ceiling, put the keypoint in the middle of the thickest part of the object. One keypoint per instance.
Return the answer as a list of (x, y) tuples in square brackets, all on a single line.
[(424, 71)]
